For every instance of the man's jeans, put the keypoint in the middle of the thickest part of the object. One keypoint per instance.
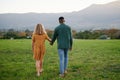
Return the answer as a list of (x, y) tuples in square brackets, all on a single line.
[(63, 56)]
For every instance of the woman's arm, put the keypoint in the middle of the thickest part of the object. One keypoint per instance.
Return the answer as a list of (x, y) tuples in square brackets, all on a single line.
[(49, 40), (33, 41), (47, 37), (32, 45)]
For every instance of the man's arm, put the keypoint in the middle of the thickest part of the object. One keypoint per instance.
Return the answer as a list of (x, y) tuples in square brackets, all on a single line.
[(71, 39), (54, 37)]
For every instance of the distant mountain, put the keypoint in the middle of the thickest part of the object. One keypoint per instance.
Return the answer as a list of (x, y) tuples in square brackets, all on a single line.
[(96, 16)]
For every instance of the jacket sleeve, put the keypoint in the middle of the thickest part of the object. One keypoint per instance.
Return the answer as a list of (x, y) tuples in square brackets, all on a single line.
[(55, 34), (71, 39)]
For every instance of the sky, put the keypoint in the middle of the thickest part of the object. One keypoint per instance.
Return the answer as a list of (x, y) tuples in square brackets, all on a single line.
[(46, 6)]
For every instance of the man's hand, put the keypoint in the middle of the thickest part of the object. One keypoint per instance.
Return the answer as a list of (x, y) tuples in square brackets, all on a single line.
[(51, 43), (70, 49)]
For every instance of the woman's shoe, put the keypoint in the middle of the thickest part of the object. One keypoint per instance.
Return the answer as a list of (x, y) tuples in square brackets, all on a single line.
[(41, 70), (38, 74)]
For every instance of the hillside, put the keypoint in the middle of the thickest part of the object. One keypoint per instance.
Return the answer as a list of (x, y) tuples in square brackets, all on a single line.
[(96, 16)]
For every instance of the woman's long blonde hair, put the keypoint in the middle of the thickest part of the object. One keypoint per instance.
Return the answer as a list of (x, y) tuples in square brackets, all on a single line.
[(39, 29)]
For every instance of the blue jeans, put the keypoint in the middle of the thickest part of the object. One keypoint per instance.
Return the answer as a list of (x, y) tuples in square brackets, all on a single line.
[(63, 56)]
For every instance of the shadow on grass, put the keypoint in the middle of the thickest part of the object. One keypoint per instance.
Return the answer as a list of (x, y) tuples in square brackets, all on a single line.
[(113, 68)]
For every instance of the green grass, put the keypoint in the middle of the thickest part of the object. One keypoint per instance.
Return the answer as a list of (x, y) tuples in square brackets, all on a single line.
[(89, 60)]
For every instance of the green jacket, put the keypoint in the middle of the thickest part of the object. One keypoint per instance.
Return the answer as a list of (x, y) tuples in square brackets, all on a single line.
[(63, 35)]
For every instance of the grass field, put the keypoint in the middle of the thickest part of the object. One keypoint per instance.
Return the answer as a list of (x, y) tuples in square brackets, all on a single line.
[(89, 60)]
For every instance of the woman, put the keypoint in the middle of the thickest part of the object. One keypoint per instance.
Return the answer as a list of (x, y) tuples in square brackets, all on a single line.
[(38, 46)]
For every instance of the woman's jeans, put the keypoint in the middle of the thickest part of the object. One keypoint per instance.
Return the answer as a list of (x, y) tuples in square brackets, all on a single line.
[(63, 56)]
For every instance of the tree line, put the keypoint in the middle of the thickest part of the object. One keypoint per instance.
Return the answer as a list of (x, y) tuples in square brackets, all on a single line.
[(15, 34), (87, 34), (99, 34)]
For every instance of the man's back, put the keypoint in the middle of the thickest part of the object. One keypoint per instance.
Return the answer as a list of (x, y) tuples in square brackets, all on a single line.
[(64, 39), (63, 35)]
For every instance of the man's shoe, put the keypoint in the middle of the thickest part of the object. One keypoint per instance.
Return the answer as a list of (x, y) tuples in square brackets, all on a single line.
[(65, 72), (61, 75)]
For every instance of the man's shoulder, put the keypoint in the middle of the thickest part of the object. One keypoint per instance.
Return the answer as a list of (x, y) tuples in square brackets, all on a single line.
[(62, 26), (67, 26), (57, 27)]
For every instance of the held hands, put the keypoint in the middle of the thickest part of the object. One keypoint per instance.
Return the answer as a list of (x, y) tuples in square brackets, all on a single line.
[(51, 43)]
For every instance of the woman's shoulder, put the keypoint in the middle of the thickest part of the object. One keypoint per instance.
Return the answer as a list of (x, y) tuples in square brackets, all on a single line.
[(45, 34), (39, 34), (35, 35)]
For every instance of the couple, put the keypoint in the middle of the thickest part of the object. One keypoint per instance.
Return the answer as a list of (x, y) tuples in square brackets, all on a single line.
[(63, 35)]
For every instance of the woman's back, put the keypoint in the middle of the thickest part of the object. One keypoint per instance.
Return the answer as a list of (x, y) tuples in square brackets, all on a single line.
[(39, 39)]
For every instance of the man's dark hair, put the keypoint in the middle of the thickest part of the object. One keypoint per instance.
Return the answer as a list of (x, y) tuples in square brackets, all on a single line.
[(60, 18)]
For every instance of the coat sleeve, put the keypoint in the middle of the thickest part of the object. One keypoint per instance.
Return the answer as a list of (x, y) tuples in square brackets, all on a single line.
[(55, 34), (71, 39)]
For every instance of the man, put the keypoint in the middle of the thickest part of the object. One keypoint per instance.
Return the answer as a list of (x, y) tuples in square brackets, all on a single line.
[(63, 35)]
